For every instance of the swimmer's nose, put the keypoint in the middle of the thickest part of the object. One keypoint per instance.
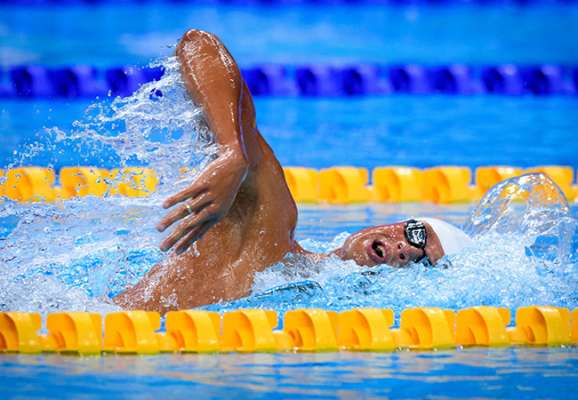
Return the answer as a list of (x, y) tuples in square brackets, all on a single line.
[(402, 252)]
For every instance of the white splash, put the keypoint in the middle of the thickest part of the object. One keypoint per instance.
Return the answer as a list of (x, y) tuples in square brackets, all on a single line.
[(78, 254)]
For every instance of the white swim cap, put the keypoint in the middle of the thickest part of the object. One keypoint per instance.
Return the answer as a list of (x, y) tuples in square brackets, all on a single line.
[(452, 238)]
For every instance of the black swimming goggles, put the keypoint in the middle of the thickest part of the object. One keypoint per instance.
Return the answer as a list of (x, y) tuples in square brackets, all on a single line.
[(416, 235)]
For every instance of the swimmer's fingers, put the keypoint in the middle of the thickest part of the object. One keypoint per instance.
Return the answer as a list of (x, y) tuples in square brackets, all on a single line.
[(190, 223), (190, 207), (192, 191), (193, 236)]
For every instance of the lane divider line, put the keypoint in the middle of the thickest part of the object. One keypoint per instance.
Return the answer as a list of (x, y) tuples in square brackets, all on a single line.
[(319, 80), (335, 185), (304, 330)]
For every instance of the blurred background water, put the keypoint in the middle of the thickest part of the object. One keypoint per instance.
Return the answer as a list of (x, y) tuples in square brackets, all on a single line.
[(134, 33)]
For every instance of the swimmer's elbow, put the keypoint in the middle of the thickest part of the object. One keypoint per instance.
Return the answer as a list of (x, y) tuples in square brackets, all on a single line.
[(202, 54), (198, 38), (194, 34)]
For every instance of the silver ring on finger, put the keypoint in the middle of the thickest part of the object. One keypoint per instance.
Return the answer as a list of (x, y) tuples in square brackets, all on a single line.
[(188, 207)]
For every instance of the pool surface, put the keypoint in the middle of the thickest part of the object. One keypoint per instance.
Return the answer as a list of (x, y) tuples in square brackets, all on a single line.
[(111, 34), (420, 131), (520, 373)]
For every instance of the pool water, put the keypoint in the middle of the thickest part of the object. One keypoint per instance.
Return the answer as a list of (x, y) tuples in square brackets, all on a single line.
[(420, 131), (134, 33), (520, 373), (77, 255)]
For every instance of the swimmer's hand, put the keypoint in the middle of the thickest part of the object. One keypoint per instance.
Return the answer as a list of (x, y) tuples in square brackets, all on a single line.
[(204, 203)]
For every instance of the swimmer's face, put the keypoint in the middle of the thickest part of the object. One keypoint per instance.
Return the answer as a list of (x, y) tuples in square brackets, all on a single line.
[(387, 244)]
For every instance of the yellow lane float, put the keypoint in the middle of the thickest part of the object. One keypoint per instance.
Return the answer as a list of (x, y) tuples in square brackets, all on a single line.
[(250, 331), (335, 185), (84, 181), (486, 177), (542, 326), (426, 328), (303, 184), (483, 326), (74, 332), (304, 330), (19, 332), (397, 184), (312, 329), (366, 329), (30, 184), (574, 337), (344, 185), (449, 184), (194, 331), (133, 182), (132, 332)]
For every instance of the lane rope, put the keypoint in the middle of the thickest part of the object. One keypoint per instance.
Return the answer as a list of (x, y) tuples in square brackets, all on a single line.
[(321, 80), (333, 185), (304, 330)]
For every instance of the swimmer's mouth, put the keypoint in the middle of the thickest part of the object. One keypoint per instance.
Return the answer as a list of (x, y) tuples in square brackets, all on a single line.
[(377, 251)]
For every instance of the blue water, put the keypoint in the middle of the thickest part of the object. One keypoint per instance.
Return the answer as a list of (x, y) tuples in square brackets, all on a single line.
[(134, 33), (400, 130), (75, 256), (520, 373)]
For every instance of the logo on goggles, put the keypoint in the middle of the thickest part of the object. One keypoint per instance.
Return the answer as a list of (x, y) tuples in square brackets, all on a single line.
[(415, 233)]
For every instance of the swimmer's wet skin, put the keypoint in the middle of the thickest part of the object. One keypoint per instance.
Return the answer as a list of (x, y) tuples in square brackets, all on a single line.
[(239, 212)]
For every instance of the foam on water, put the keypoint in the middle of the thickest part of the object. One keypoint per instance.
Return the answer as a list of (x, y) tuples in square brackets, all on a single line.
[(76, 255)]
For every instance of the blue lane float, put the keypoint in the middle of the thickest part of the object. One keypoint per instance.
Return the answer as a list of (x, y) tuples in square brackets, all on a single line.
[(81, 81)]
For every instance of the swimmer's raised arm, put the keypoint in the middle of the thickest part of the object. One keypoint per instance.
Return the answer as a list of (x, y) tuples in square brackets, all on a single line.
[(214, 82)]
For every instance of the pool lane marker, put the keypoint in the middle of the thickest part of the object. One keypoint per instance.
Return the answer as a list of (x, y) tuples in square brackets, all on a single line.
[(334, 185), (317, 80), (304, 330)]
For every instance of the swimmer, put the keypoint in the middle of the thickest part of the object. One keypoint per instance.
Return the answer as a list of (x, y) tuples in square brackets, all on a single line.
[(238, 216)]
